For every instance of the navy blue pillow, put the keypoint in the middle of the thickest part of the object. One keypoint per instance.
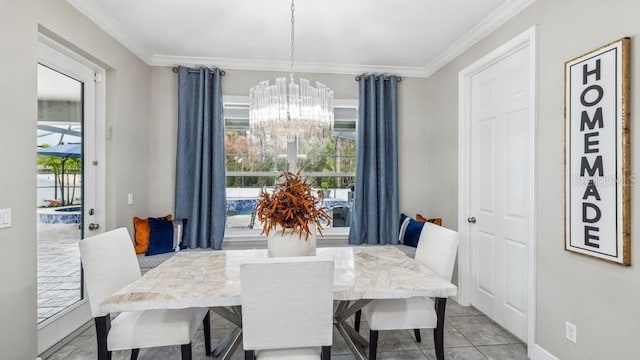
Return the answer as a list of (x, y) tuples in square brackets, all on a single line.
[(160, 236), (403, 217), (410, 230)]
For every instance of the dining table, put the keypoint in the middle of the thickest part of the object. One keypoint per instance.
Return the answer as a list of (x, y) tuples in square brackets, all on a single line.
[(211, 279)]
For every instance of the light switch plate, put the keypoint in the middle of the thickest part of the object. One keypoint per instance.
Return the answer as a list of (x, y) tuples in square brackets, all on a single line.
[(130, 199), (571, 332), (5, 218)]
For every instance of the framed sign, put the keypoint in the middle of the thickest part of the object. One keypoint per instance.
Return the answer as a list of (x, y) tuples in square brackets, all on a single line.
[(597, 219)]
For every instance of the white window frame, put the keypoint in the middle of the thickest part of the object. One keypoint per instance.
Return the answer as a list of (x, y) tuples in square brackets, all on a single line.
[(248, 238)]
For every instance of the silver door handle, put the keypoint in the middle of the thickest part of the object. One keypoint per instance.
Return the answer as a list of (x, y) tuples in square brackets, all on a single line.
[(471, 220), (93, 226)]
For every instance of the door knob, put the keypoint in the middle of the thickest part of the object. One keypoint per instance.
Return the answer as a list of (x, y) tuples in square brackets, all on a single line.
[(93, 226), (471, 220)]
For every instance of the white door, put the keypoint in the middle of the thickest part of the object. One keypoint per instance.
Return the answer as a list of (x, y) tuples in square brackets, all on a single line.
[(70, 185), (500, 191)]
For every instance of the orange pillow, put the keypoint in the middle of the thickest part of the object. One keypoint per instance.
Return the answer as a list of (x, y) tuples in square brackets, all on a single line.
[(142, 231), (437, 221)]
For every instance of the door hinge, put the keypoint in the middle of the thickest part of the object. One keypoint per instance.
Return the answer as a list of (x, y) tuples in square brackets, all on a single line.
[(98, 78)]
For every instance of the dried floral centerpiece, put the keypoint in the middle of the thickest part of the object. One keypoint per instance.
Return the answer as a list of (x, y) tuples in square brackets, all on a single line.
[(291, 206)]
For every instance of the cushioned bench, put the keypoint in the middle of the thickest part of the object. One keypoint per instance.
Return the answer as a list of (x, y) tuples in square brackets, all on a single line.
[(410, 251), (149, 262)]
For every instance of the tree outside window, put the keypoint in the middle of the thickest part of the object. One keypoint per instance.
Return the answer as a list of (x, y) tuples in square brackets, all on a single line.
[(253, 163)]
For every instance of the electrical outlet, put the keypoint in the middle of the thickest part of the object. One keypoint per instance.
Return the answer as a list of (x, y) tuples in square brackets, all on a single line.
[(571, 332)]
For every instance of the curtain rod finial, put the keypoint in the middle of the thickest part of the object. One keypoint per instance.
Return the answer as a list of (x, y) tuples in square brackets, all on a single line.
[(222, 72), (358, 77)]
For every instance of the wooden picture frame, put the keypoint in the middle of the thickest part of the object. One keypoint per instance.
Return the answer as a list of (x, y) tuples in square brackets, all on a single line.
[(597, 153)]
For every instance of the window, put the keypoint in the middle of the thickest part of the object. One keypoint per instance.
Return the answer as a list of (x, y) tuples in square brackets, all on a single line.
[(328, 164)]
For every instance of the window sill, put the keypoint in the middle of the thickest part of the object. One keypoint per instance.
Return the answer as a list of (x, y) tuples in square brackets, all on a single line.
[(253, 239)]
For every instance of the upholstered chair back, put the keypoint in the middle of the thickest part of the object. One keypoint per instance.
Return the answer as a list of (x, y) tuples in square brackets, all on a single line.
[(437, 249), (109, 263), (287, 302)]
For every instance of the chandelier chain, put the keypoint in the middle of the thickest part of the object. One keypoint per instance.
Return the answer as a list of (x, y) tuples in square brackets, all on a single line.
[(293, 26)]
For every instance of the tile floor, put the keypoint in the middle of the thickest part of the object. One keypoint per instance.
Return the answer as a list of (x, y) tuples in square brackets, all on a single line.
[(469, 335)]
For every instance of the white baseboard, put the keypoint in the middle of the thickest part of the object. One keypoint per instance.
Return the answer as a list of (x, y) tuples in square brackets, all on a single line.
[(539, 353), (57, 346)]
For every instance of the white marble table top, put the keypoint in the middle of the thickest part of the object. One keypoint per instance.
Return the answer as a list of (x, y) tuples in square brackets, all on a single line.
[(212, 278)]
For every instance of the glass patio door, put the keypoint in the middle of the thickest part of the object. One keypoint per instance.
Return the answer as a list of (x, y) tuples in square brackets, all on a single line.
[(69, 195)]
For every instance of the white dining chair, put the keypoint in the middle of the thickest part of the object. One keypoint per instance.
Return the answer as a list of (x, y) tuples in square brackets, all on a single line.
[(287, 308), (109, 263), (437, 250)]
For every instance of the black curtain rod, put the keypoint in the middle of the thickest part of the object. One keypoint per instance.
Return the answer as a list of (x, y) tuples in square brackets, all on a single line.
[(175, 70), (386, 77)]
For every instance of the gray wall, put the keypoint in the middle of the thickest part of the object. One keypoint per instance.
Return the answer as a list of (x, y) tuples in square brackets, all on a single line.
[(127, 107), (164, 89), (18, 115), (127, 112), (600, 298)]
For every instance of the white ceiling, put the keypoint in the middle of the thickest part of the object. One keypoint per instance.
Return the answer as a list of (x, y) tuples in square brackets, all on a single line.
[(406, 37)]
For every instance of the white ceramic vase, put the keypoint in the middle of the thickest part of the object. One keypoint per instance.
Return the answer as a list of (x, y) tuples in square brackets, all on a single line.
[(291, 244)]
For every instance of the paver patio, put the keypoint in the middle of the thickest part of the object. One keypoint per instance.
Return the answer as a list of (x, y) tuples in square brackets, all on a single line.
[(58, 268)]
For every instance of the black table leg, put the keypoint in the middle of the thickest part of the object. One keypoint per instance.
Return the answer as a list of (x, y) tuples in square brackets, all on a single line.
[(103, 324), (438, 332), (185, 350), (356, 323), (206, 324)]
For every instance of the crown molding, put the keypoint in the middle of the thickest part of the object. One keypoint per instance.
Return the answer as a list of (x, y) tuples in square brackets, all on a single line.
[(106, 22), (284, 66), (96, 13), (498, 17)]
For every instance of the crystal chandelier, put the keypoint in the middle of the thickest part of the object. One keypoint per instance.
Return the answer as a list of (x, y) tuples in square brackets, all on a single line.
[(291, 111)]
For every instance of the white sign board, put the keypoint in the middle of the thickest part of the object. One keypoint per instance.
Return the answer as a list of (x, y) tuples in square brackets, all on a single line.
[(597, 153)]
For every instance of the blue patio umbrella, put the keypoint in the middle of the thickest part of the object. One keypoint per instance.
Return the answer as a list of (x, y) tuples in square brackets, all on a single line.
[(64, 151)]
